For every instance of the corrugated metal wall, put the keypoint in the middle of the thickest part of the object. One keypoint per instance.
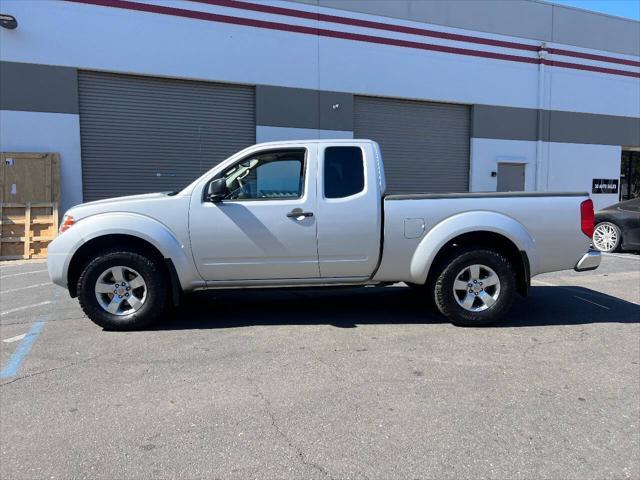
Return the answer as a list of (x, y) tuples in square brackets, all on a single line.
[(142, 134), (425, 146)]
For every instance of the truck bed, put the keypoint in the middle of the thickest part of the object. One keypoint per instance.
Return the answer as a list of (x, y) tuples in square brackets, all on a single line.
[(544, 224)]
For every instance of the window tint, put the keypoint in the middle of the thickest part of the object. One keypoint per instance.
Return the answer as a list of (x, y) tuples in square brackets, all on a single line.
[(269, 175), (343, 172)]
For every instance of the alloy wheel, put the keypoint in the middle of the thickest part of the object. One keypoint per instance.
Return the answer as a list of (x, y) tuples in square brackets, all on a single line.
[(476, 288), (605, 237), (121, 290)]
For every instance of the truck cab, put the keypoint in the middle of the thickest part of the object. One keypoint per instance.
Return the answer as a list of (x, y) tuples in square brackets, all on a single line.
[(304, 211)]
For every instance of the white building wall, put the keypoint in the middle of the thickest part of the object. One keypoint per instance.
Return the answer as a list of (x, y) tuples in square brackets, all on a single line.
[(128, 41), (47, 132), (487, 153), (576, 165), (572, 167)]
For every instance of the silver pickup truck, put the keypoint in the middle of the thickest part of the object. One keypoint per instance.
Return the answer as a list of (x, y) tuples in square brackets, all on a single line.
[(314, 213)]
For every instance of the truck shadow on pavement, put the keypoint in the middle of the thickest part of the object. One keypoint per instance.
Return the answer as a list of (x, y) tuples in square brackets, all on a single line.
[(346, 308)]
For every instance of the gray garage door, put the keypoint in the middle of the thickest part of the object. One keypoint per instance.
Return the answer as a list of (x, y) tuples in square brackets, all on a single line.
[(425, 145), (143, 134)]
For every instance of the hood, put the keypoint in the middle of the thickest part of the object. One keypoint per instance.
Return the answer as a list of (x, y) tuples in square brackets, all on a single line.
[(127, 198), (114, 204)]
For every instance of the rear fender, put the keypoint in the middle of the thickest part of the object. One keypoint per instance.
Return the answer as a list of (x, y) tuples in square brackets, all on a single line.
[(468, 222)]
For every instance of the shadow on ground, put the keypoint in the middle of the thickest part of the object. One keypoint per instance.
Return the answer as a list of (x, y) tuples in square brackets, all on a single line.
[(348, 308)]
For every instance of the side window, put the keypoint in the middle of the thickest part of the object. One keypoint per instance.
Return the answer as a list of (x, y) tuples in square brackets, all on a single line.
[(276, 174), (343, 172)]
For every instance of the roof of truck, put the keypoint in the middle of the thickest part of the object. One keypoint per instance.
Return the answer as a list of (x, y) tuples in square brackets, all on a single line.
[(318, 140)]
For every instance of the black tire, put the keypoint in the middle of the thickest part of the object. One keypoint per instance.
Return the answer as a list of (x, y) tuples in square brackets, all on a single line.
[(445, 298), (157, 290), (618, 234)]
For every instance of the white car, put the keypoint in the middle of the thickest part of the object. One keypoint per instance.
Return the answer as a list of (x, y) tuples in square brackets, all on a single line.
[(314, 213)]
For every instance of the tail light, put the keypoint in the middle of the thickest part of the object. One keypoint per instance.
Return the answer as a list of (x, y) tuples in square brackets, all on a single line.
[(67, 222), (587, 218)]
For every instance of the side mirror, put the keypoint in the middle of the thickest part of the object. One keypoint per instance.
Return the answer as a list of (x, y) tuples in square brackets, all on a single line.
[(217, 191)]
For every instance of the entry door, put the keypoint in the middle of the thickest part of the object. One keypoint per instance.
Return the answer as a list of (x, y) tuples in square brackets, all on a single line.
[(510, 177), (265, 228)]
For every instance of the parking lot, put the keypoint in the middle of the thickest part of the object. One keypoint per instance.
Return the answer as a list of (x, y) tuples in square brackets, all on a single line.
[(363, 384)]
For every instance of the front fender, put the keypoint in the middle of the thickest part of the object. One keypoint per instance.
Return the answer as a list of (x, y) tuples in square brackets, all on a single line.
[(63, 248), (468, 222)]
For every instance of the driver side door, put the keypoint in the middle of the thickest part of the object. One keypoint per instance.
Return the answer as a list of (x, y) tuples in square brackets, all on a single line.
[(265, 227)]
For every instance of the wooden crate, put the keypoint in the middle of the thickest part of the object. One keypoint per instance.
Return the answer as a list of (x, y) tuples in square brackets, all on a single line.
[(27, 229), (29, 199), (29, 177)]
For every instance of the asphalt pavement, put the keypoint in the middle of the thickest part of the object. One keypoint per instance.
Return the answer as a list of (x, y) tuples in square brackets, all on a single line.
[(359, 383)]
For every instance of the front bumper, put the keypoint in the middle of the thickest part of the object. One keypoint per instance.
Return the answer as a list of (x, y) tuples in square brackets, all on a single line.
[(589, 261)]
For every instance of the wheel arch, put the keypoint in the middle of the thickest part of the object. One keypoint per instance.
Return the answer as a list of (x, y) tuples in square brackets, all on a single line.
[(486, 230), (135, 232), (89, 249)]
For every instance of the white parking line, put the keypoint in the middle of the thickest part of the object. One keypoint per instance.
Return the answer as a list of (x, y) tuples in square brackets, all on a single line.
[(595, 293), (594, 303), (5, 265), (25, 307), (14, 339), (22, 273), (24, 288)]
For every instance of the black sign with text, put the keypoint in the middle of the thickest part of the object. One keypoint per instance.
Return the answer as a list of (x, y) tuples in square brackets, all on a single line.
[(604, 185)]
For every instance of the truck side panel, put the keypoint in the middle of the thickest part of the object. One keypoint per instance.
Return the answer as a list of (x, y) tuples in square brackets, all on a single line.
[(547, 228)]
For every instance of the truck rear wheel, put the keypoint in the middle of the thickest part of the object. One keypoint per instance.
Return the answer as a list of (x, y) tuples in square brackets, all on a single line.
[(476, 288), (123, 290)]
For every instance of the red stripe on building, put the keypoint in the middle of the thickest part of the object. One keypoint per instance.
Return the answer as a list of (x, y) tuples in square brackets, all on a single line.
[(214, 17), (290, 12)]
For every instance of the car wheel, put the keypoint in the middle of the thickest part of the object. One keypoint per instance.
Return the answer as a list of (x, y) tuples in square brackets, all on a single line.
[(606, 237), (476, 288), (123, 290)]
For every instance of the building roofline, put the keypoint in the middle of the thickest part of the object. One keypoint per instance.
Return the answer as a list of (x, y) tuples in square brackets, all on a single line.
[(584, 10)]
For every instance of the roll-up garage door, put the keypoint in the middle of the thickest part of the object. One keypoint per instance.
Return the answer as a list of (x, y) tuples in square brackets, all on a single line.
[(143, 134), (425, 146)]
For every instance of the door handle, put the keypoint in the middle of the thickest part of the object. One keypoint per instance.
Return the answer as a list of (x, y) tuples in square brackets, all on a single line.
[(299, 213)]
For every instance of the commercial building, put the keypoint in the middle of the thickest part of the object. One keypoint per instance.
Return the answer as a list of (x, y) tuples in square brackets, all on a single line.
[(478, 95)]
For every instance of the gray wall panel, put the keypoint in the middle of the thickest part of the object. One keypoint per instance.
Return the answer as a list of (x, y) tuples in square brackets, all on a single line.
[(425, 145), (595, 129), (340, 118), (143, 134), (504, 122), (567, 127), (303, 108), (286, 107), (38, 88)]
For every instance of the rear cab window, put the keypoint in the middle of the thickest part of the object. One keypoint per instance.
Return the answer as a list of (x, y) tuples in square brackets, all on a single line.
[(343, 172)]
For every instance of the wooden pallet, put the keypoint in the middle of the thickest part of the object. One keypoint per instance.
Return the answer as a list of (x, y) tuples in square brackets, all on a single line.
[(27, 229)]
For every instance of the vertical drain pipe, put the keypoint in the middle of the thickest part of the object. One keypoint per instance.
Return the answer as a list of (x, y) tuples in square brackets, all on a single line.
[(542, 56)]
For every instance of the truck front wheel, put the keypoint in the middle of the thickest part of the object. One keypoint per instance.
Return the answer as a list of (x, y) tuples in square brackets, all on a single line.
[(476, 288), (123, 290)]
